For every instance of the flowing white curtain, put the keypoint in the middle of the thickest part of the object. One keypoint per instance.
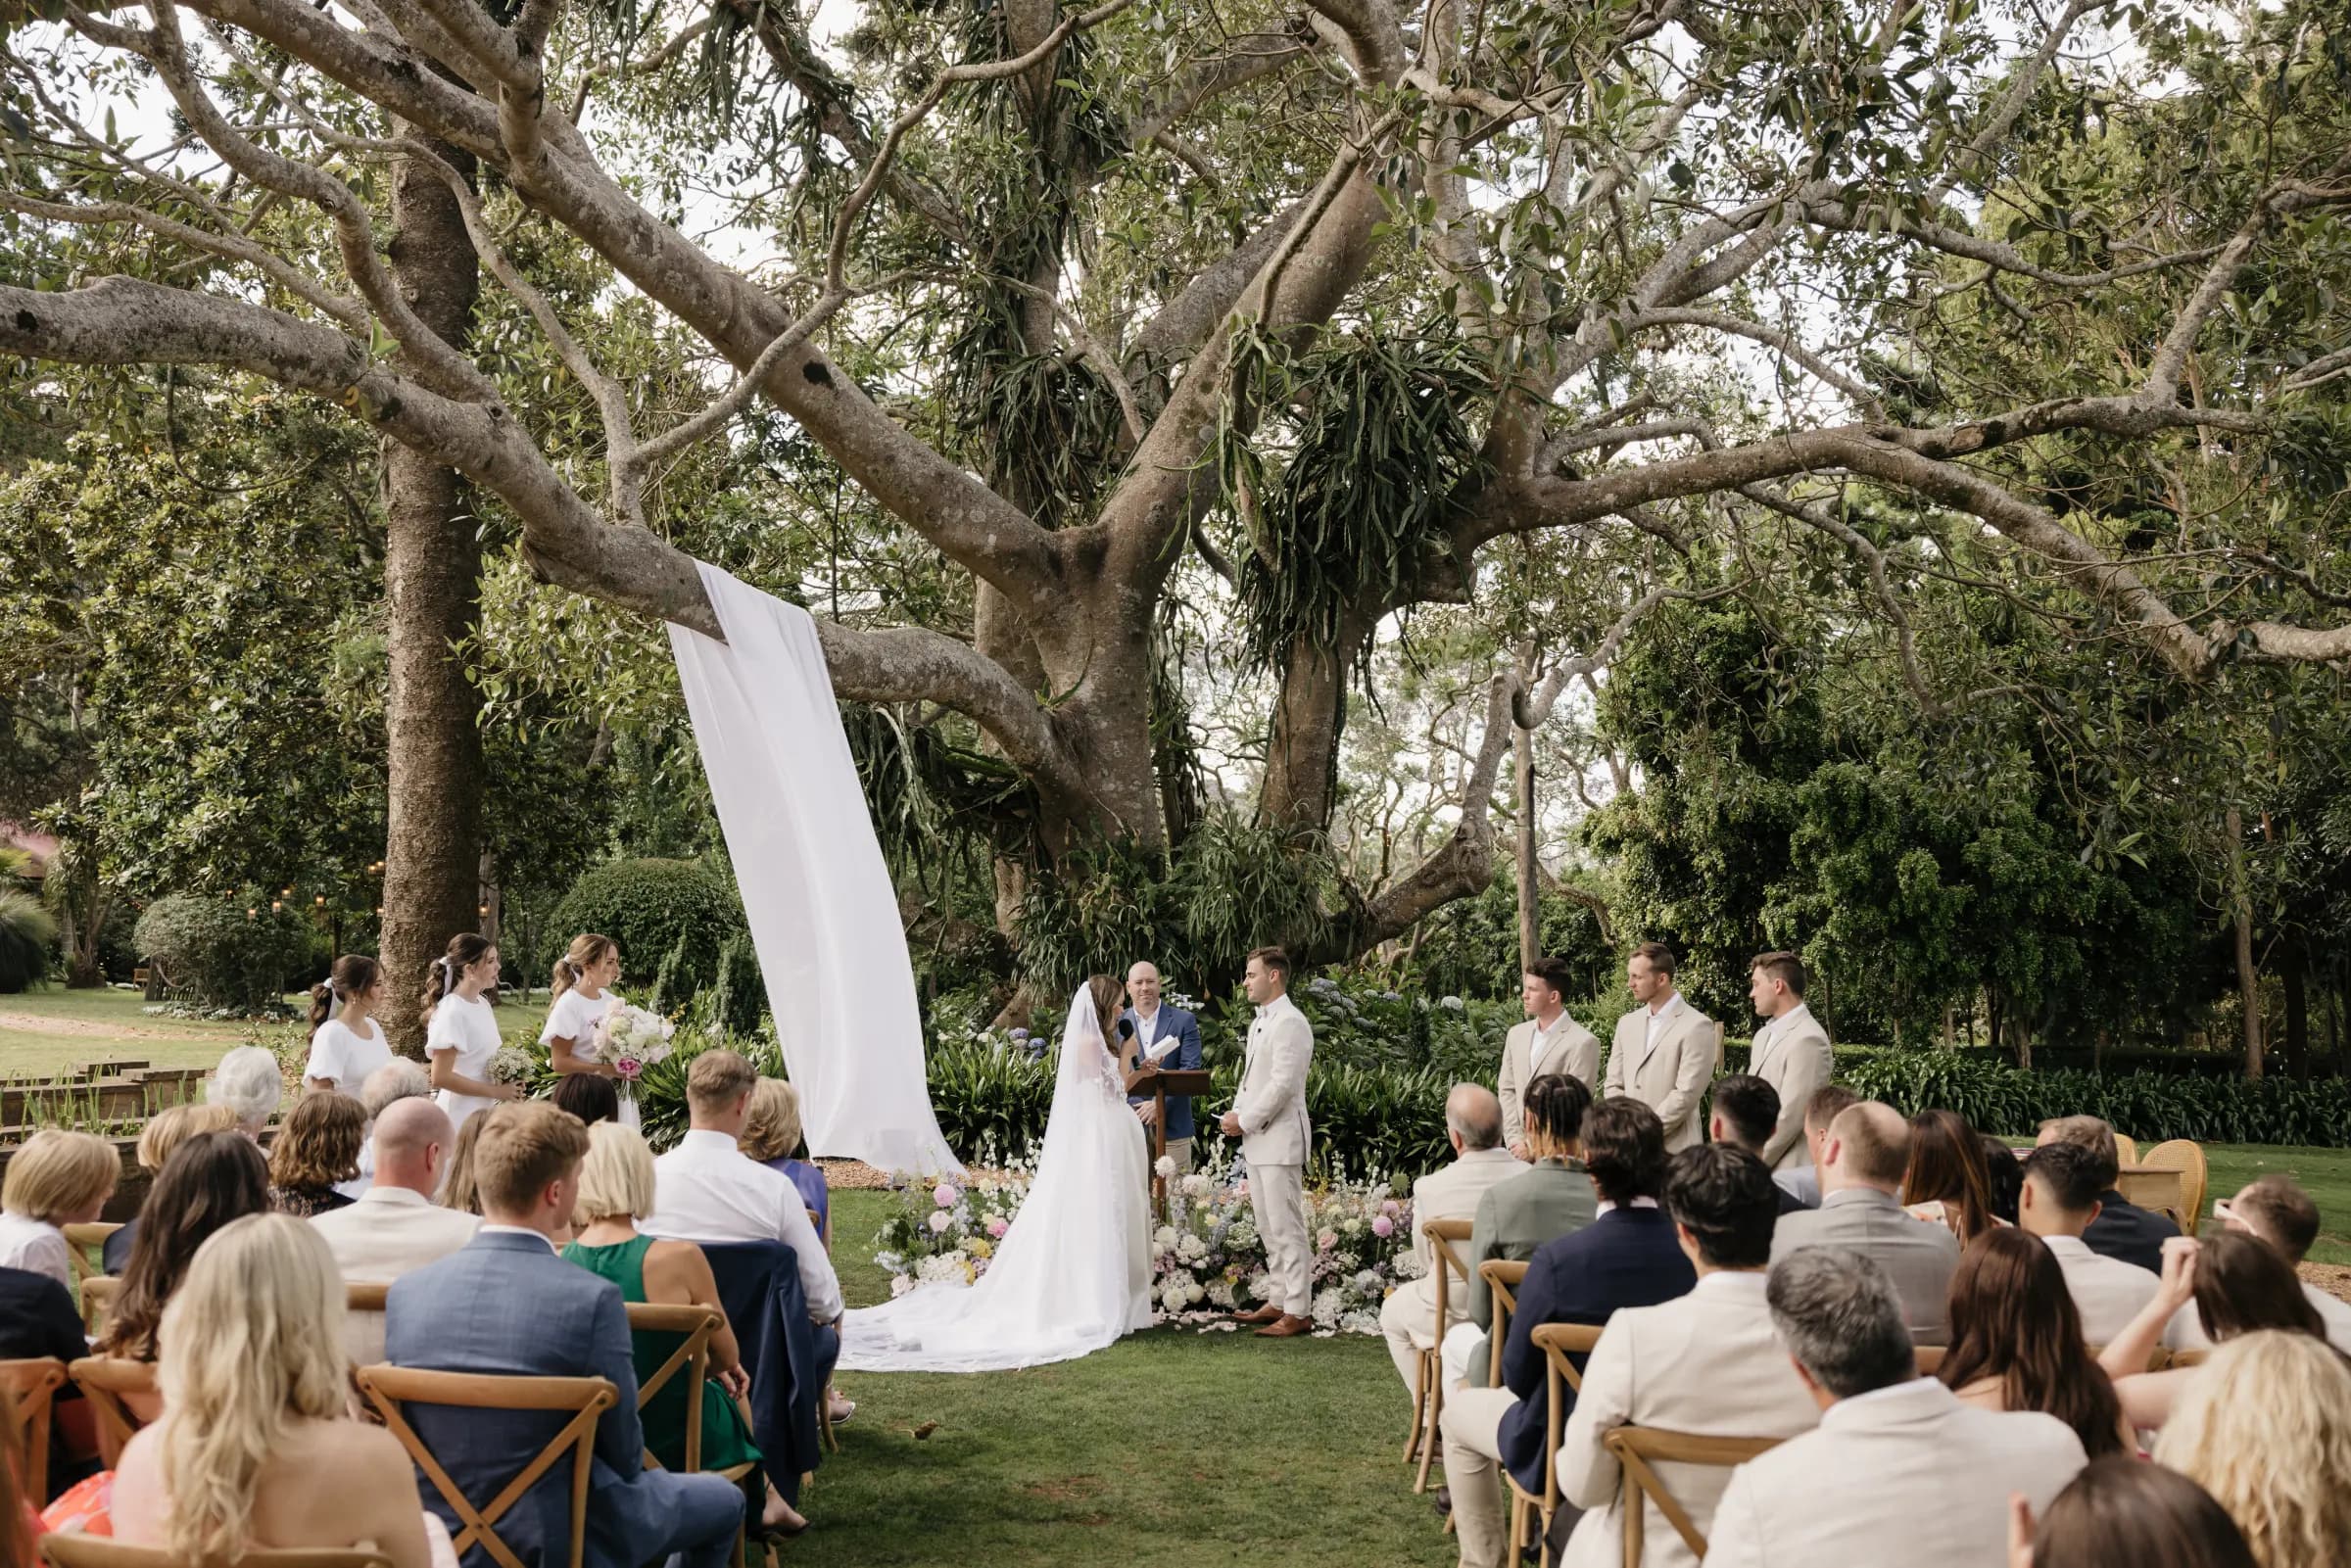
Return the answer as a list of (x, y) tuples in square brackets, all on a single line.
[(823, 912)]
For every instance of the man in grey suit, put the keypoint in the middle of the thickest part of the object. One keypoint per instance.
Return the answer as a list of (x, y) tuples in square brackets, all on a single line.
[(1862, 1164), (506, 1304)]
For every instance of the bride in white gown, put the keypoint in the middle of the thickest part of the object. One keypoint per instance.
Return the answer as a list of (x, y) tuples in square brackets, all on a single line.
[(1074, 1272)]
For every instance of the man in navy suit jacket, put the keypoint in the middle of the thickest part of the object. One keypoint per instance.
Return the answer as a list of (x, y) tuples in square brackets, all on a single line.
[(1627, 1256), (1169, 1039), (507, 1304)]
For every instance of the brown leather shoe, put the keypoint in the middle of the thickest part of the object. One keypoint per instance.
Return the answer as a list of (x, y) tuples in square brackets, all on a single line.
[(1267, 1313), (1287, 1326)]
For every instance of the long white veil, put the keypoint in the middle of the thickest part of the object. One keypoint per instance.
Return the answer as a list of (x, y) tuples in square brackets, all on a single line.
[(1072, 1274)]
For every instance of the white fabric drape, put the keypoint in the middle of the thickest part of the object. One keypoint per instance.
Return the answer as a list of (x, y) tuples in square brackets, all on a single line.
[(823, 912)]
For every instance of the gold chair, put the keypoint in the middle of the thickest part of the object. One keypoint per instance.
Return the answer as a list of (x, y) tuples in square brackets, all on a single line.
[(1502, 1277), (78, 1550), (98, 1292), (32, 1385), (1557, 1341), (111, 1383), (86, 1241), (1428, 1376), (2185, 1156), (390, 1388), (1639, 1448), (2126, 1148)]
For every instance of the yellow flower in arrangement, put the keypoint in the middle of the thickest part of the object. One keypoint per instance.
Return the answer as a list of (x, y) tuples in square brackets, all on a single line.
[(980, 1246), (970, 1275)]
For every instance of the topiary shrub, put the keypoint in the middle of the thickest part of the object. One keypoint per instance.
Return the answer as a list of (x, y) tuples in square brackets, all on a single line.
[(26, 931), (220, 952), (679, 928)]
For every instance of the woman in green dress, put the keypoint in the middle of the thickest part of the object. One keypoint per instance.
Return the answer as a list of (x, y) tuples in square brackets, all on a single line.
[(617, 1189)]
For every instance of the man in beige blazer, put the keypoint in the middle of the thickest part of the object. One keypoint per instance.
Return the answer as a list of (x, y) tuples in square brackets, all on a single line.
[(395, 1225), (1548, 1042), (1474, 1126), (1269, 1117), (1707, 1363), (1665, 1051), (1791, 1053), (1898, 1471)]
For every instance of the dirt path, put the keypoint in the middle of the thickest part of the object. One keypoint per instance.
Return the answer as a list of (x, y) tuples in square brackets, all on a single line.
[(2332, 1278), (91, 1030)]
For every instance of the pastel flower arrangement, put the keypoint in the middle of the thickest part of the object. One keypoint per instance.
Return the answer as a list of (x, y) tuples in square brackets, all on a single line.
[(1211, 1259), (945, 1229), (633, 1039), (513, 1064)]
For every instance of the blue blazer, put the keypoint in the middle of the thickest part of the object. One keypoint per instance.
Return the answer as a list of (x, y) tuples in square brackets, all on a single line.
[(2125, 1231), (506, 1304), (1626, 1257), (789, 1358), (1186, 1057)]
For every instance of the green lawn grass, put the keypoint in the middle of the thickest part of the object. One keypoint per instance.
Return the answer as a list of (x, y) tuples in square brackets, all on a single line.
[(1170, 1448), (46, 1030), (2325, 1173)]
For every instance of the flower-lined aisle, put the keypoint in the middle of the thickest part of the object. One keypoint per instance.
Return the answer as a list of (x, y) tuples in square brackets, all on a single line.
[(1208, 1259)]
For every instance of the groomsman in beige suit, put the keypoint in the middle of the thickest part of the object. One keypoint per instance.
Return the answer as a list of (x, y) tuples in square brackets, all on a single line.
[(1269, 1117), (1409, 1316), (1665, 1051), (1548, 1042), (1791, 1053)]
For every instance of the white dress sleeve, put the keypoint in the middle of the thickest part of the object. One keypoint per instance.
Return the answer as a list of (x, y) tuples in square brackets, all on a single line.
[(329, 1057)]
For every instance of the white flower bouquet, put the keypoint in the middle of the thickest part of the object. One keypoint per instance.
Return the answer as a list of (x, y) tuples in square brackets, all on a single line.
[(513, 1064), (633, 1039)]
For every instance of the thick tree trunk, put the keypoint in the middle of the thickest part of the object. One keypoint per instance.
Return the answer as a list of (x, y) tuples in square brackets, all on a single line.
[(432, 571), (1302, 744), (2248, 978), (1530, 886)]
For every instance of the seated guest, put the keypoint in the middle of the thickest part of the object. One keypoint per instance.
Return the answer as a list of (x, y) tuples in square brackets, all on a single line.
[(396, 1080), (707, 1190), (1945, 1180), (2237, 1286), (316, 1149), (2121, 1229), (57, 1179), (2265, 1428), (1521, 1212), (2007, 1175), (771, 1135), (1474, 1126), (397, 1226), (210, 1180), (1627, 1256), (1707, 1363), (255, 1447), (165, 1131), (616, 1187), (1898, 1471), (249, 1082), (1862, 1164), (1827, 1103), (1743, 1111), (506, 1306), (589, 1096), (37, 1320), (2060, 1201), (2278, 1211), (2017, 1344), (457, 1189), (2119, 1510)]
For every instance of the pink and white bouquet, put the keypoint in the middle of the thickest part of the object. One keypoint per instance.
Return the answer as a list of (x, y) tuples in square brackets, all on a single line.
[(633, 1039)]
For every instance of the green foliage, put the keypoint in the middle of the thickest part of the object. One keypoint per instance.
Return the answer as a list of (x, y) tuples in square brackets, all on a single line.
[(219, 951), (27, 933), (2148, 1106), (678, 922)]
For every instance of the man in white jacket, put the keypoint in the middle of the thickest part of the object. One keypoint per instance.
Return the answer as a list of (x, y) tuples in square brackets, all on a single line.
[(1269, 1117)]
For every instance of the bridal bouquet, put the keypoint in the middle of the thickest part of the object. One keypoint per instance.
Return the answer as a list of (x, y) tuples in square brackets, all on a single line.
[(513, 1064), (634, 1039)]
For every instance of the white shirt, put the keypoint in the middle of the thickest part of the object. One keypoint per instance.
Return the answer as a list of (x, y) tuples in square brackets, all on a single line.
[(1609, 1206), (2109, 1292), (1146, 1027), (707, 1190), (38, 1246), (344, 1057), (1656, 1019)]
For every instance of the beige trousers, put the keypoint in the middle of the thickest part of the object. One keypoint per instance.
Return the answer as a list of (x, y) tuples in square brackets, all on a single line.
[(1277, 1196), (1481, 1513), (1411, 1308)]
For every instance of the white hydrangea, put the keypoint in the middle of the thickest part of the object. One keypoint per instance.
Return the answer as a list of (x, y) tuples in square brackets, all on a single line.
[(1261, 1287), (1165, 1167), (1196, 1184), (1407, 1265), (1243, 1234), (1369, 1283), (1191, 1248), (1328, 1304), (1219, 1295), (945, 1268), (1164, 1239)]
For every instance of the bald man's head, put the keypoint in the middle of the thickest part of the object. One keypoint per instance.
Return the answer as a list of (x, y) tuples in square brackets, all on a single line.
[(1868, 1146), (1474, 1116), (413, 1141)]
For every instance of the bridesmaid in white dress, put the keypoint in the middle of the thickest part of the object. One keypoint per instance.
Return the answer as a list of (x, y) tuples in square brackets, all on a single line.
[(346, 1041), (462, 1030), (584, 998)]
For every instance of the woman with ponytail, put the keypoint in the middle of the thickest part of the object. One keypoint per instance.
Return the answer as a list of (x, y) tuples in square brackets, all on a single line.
[(346, 1042), (584, 998), (461, 1037)]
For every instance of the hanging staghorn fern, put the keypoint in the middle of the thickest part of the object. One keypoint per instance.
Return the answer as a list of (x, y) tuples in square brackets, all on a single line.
[(1382, 454)]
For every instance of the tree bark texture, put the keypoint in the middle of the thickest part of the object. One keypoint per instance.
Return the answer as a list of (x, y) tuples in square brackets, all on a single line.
[(1530, 886), (2248, 977)]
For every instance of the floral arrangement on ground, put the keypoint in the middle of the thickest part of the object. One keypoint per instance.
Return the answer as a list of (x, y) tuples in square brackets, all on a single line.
[(1208, 1257)]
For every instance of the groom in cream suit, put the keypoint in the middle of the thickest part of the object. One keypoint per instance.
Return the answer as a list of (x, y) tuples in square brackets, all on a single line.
[(1548, 1042), (1791, 1053), (1269, 1117), (1666, 1050)]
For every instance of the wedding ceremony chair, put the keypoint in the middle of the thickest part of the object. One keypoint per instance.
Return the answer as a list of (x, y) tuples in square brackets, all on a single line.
[(1428, 1379), (824, 1396), (1930, 1359), (2185, 1156), (1502, 1277), (2126, 1148), (1639, 1448), (88, 1241), (74, 1550), (391, 1388), (32, 1385), (108, 1382), (98, 1294), (1557, 1341), (691, 1361)]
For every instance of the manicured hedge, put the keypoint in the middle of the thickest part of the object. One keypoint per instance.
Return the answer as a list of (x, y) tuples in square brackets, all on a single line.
[(677, 921)]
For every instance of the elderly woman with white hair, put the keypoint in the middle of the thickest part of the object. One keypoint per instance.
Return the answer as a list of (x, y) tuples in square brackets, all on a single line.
[(249, 1082)]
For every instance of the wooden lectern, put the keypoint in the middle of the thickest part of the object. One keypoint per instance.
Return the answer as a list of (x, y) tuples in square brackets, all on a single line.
[(1151, 1084)]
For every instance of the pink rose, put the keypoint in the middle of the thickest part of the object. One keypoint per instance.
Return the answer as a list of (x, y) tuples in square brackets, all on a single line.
[(1327, 1240), (629, 1068), (996, 1227), (944, 1194)]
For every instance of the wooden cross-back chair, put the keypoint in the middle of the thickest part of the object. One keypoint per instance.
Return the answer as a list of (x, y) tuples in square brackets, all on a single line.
[(32, 1385), (697, 1325), (1429, 1377), (824, 1396), (98, 1292), (1930, 1359), (109, 1382), (86, 1239), (1502, 1277), (587, 1399), (1639, 1449), (1530, 1511), (79, 1550)]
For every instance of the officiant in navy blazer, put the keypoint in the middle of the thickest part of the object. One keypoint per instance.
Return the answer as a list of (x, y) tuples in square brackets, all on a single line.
[(1167, 1038)]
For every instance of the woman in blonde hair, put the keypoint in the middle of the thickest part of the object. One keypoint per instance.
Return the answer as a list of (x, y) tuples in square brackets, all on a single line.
[(255, 1447), (2265, 1428), (56, 1179), (771, 1135), (583, 983)]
